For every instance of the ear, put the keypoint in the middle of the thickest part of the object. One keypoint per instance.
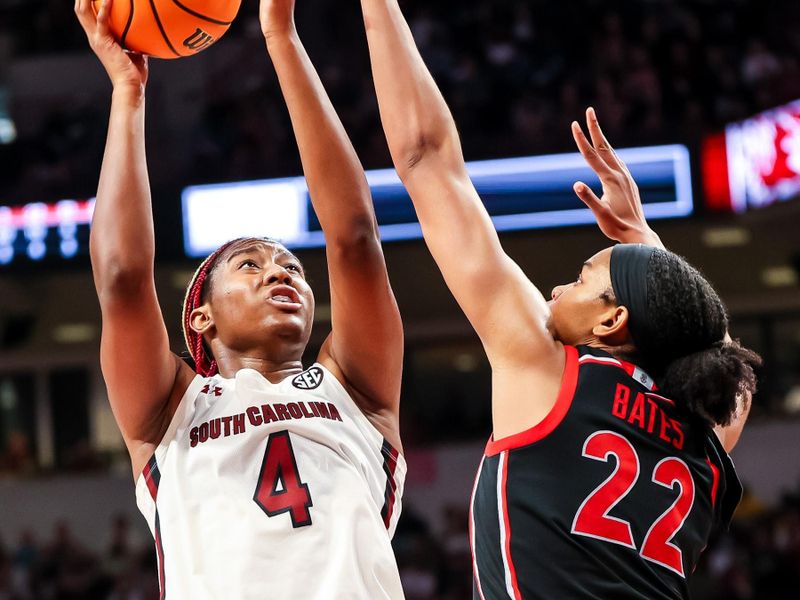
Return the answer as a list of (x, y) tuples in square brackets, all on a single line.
[(613, 327), (201, 320)]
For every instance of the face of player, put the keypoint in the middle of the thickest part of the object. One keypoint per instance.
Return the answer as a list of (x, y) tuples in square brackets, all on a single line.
[(260, 300), (580, 311)]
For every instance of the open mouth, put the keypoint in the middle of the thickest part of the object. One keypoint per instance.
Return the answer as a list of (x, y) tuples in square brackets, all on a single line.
[(285, 296)]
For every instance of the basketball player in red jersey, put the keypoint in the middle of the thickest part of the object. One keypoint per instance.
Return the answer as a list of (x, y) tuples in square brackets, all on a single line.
[(257, 477), (604, 475)]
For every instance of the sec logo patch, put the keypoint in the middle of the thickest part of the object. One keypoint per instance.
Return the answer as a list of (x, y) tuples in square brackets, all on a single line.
[(309, 380)]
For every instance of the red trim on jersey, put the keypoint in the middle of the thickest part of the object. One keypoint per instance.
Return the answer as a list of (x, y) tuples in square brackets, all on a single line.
[(569, 381), (601, 360), (507, 521), (149, 480), (152, 477), (628, 367), (390, 455), (160, 554), (714, 482), (476, 576)]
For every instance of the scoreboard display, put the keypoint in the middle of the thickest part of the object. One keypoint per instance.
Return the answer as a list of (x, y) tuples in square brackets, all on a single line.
[(44, 232), (519, 193), (754, 163)]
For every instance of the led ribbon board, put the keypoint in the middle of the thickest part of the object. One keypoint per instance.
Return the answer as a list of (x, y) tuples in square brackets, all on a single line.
[(754, 163), (40, 231), (519, 193)]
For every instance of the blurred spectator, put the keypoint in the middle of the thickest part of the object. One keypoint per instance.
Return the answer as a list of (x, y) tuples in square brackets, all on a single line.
[(758, 559), (515, 73), (18, 457)]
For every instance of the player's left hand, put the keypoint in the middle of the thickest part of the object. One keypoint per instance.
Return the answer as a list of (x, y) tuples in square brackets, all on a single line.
[(277, 17), (619, 212)]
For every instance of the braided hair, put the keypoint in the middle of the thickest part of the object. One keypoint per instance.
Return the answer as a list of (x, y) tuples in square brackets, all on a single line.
[(196, 293)]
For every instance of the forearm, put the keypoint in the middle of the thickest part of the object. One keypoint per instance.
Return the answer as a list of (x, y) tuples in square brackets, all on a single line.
[(122, 239), (415, 116), (336, 182), (427, 154)]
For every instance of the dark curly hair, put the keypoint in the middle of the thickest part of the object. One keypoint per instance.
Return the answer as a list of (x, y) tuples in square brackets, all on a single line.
[(687, 349)]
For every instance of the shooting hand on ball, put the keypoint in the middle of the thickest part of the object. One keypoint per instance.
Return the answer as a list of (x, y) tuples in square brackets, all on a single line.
[(123, 68), (619, 212), (277, 17)]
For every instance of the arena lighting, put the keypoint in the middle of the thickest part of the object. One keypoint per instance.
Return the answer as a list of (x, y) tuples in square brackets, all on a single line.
[(519, 193), (40, 231), (779, 276), (754, 163), (8, 131)]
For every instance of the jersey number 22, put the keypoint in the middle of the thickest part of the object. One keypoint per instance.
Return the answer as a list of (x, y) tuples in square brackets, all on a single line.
[(593, 520)]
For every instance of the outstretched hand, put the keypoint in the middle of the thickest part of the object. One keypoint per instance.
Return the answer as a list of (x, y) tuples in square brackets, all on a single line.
[(619, 212), (123, 68), (277, 17)]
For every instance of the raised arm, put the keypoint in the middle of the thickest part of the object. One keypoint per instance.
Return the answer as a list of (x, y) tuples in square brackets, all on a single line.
[(366, 344), (144, 379), (505, 308), (620, 216)]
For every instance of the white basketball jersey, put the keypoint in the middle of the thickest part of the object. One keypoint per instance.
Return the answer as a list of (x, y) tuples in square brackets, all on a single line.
[(273, 491)]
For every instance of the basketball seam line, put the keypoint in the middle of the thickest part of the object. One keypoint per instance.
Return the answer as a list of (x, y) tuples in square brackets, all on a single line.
[(127, 26), (161, 28), (201, 16)]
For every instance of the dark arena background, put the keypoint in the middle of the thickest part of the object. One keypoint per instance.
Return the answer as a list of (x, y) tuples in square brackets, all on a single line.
[(704, 97)]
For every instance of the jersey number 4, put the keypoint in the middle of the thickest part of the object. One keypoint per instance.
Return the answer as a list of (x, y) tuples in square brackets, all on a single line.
[(280, 489), (593, 520)]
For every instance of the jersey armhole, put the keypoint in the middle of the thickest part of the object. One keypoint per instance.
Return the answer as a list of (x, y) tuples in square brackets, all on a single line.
[(191, 392), (730, 487), (362, 418), (569, 381)]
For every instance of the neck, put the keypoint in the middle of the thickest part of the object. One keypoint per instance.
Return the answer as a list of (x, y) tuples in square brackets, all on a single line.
[(274, 368), (621, 352)]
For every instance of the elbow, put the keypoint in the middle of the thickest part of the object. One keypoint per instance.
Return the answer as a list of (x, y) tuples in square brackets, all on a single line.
[(439, 145), (358, 237), (117, 279), (412, 152)]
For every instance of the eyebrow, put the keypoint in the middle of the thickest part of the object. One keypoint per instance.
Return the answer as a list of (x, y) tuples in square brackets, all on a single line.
[(588, 264), (240, 251), (256, 248)]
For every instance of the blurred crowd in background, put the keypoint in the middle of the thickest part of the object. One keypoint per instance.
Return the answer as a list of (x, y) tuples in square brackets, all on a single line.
[(515, 73), (758, 559)]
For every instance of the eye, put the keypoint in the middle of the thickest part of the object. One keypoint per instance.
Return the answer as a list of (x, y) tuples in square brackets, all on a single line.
[(293, 267), (248, 263), (579, 279)]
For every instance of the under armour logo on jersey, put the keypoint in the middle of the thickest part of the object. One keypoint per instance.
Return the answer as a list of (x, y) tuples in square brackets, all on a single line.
[(308, 380), (217, 391)]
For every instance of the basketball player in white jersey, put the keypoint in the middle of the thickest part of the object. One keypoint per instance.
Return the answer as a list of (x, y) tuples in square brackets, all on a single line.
[(259, 478)]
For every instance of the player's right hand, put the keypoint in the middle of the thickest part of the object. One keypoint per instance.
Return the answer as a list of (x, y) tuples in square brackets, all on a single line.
[(619, 212), (125, 69)]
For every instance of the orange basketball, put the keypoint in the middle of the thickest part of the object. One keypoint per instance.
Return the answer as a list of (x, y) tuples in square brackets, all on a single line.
[(170, 28)]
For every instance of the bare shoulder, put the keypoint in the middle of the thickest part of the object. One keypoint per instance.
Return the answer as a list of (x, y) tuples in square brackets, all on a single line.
[(525, 391)]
